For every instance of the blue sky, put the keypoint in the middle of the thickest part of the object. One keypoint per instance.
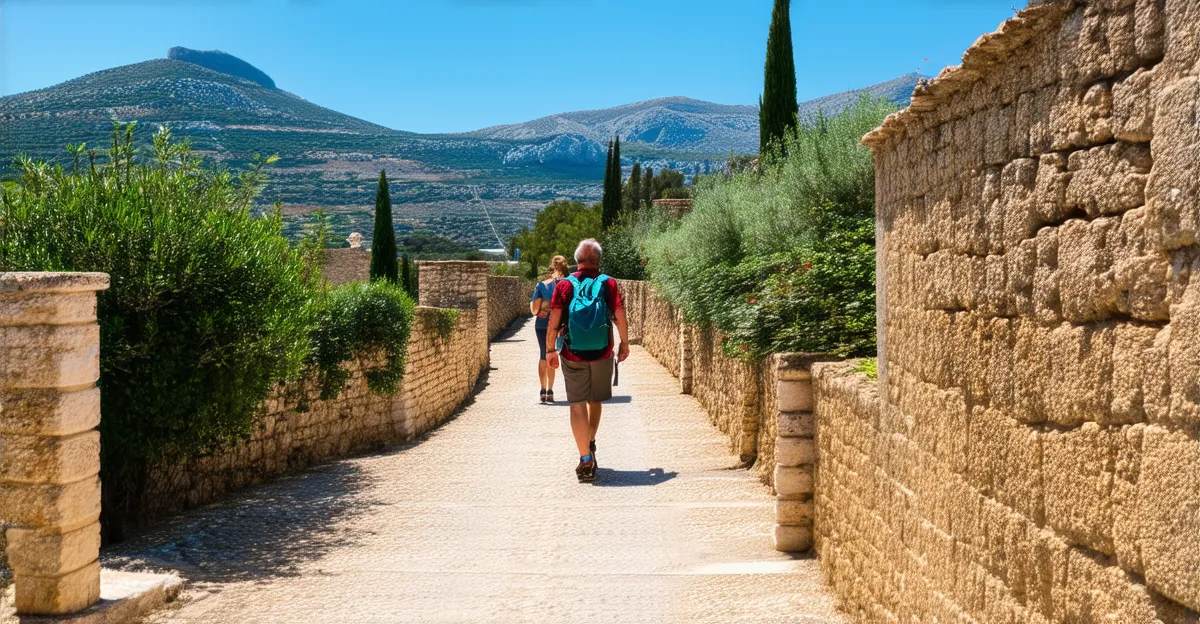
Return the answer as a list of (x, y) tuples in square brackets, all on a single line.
[(457, 65)]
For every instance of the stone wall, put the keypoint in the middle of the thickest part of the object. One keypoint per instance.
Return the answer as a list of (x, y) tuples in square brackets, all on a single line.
[(298, 429), (508, 300), (347, 264), (1035, 457), (739, 396)]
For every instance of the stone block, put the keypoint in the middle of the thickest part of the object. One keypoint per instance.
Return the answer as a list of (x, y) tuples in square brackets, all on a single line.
[(52, 507), (58, 595), (39, 553), (47, 308), (1169, 514), (49, 459), (794, 512), (792, 538), (1078, 481), (1173, 186), (50, 356), (1133, 108), (795, 451), (49, 412), (1108, 180), (793, 481), (795, 396), (796, 424)]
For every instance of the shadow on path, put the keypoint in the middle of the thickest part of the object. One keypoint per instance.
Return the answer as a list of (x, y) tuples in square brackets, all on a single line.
[(607, 477), (261, 533)]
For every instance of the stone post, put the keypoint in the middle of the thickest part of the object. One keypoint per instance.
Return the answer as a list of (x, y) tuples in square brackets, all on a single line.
[(685, 354), (795, 455), (49, 446)]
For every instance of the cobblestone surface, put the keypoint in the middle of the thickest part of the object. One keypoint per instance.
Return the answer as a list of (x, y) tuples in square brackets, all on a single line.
[(484, 522)]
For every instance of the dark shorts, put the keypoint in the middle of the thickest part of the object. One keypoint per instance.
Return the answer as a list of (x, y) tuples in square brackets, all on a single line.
[(541, 335), (588, 382)]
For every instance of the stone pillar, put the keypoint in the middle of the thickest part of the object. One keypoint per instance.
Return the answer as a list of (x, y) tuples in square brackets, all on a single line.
[(686, 346), (795, 455), (49, 446)]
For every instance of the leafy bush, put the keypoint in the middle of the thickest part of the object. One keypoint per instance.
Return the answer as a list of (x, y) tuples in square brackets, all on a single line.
[(782, 258), (557, 231), (370, 322), (209, 307), (868, 367)]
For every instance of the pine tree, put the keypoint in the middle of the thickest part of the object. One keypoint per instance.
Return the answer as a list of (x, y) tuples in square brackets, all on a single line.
[(635, 188), (383, 239), (778, 107)]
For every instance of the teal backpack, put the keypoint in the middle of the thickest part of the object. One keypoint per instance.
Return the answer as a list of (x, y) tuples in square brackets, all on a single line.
[(588, 322)]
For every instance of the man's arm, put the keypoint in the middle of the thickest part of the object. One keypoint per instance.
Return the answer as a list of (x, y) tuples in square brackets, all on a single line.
[(552, 337), (623, 330)]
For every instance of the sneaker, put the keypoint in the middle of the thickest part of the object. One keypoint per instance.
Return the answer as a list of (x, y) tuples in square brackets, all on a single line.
[(549, 396), (592, 449), (586, 471), (544, 394)]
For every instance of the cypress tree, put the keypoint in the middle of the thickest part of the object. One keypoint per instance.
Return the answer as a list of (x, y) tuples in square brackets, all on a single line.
[(635, 188), (778, 107), (406, 276), (648, 188), (383, 239), (611, 204)]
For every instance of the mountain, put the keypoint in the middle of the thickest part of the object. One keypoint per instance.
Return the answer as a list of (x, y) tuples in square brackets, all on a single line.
[(684, 124), (231, 112), (217, 60)]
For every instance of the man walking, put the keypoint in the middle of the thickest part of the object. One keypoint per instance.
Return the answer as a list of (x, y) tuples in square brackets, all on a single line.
[(587, 304)]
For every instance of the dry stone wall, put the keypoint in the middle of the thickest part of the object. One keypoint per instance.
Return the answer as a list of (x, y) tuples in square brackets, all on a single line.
[(448, 352), (1035, 456), (508, 300), (347, 264)]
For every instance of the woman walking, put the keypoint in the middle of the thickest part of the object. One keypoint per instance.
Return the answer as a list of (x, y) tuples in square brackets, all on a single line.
[(539, 305)]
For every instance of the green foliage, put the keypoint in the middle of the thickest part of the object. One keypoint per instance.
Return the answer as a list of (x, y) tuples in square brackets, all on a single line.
[(557, 231), (370, 322), (611, 204), (210, 307), (665, 181), (633, 192), (778, 107), (383, 238), (868, 367), (207, 308), (648, 187), (445, 321), (781, 259), (679, 192), (408, 277)]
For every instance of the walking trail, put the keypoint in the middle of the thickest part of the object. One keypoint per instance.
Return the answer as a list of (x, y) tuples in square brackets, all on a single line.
[(484, 521)]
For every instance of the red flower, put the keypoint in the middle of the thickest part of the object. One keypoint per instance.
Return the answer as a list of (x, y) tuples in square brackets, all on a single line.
[(808, 265), (745, 348), (751, 299)]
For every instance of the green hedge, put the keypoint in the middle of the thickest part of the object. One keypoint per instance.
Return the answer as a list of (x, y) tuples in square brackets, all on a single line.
[(781, 257), (209, 309)]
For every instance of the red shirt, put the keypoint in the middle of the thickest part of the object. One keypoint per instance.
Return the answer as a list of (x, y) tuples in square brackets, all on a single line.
[(561, 300)]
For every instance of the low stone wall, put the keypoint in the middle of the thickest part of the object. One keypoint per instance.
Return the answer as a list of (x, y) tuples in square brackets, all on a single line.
[(348, 264), (298, 429), (660, 329), (633, 296), (508, 300)]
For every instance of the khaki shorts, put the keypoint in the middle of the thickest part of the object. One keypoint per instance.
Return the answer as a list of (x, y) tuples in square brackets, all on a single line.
[(589, 382)]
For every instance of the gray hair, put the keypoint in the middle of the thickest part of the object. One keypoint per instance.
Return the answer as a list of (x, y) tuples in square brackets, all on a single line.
[(589, 251)]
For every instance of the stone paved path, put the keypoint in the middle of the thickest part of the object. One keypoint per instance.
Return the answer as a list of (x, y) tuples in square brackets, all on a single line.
[(485, 522)]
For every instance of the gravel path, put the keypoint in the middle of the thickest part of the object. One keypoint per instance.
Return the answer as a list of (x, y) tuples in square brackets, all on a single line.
[(485, 522)]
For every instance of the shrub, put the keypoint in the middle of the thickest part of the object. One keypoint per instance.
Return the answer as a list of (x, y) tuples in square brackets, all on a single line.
[(209, 307), (557, 231), (370, 322), (781, 258)]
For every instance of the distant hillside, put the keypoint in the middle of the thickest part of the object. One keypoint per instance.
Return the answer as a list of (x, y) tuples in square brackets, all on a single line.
[(330, 161), (684, 124), (217, 60)]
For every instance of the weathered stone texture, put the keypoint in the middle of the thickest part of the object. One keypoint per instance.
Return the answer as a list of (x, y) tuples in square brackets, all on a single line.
[(49, 448), (297, 429), (346, 265), (1033, 453), (508, 300)]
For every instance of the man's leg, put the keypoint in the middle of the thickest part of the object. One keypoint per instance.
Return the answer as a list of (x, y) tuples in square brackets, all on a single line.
[(593, 418), (581, 428)]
